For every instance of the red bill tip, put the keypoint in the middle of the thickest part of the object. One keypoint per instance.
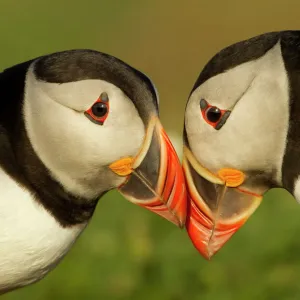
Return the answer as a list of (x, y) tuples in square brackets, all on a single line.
[(205, 236), (156, 181), (172, 205), (215, 211)]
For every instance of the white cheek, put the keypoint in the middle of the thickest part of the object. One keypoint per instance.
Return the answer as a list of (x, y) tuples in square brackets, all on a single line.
[(197, 129), (296, 192), (193, 121), (122, 133), (75, 149), (79, 95), (254, 135)]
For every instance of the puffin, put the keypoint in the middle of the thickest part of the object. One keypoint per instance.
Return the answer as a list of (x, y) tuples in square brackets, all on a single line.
[(74, 125), (241, 135)]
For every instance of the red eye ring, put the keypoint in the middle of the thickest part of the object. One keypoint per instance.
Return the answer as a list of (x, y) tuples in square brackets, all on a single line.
[(213, 115), (99, 111)]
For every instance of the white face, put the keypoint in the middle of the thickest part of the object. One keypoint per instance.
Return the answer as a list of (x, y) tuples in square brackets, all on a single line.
[(254, 135), (74, 149)]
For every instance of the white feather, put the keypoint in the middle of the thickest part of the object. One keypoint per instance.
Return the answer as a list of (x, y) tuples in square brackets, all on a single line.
[(31, 240)]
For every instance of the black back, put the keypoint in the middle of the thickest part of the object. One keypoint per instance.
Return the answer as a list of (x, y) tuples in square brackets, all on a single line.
[(290, 45)]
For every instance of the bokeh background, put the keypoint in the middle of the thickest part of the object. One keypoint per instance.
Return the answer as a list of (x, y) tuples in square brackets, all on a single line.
[(127, 252)]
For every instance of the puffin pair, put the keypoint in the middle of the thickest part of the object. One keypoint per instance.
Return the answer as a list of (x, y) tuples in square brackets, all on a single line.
[(74, 125), (241, 135)]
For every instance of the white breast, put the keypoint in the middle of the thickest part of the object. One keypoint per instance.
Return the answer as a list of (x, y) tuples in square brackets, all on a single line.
[(31, 241)]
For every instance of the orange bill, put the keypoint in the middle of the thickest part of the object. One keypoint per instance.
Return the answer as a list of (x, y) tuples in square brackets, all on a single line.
[(218, 204), (154, 178)]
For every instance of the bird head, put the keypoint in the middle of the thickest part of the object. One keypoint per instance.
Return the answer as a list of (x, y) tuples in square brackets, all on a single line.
[(241, 135), (93, 122)]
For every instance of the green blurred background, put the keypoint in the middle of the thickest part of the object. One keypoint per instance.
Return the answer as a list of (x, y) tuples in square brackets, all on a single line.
[(127, 252)]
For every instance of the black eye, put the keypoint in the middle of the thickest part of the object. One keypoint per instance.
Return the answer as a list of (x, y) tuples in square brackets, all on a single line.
[(213, 114), (99, 109)]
